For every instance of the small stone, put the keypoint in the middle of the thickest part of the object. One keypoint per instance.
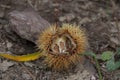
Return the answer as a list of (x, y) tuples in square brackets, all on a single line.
[(5, 65), (93, 77), (29, 64), (62, 18), (55, 4), (70, 17), (26, 76), (67, 17), (45, 1), (85, 20), (68, 0), (9, 45), (115, 40)]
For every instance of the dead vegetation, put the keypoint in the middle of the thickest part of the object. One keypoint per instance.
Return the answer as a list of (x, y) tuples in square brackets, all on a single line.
[(100, 18)]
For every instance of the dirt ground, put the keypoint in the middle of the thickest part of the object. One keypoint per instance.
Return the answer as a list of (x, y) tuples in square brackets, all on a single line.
[(98, 17)]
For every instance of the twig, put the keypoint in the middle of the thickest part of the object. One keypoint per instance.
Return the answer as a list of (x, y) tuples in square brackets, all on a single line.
[(30, 3), (5, 6), (56, 13), (33, 77), (97, 63), (98, 67)]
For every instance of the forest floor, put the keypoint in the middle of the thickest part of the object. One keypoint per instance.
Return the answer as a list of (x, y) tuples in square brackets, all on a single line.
[(100, 18)]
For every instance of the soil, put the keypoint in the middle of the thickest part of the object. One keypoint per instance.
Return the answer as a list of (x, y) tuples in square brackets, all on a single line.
[(97, 17)]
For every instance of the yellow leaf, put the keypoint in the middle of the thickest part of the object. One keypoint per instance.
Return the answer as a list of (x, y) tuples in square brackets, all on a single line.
[(22, 58)]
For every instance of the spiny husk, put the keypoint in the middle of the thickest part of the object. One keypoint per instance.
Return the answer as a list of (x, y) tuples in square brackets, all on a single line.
[(59, 62)]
